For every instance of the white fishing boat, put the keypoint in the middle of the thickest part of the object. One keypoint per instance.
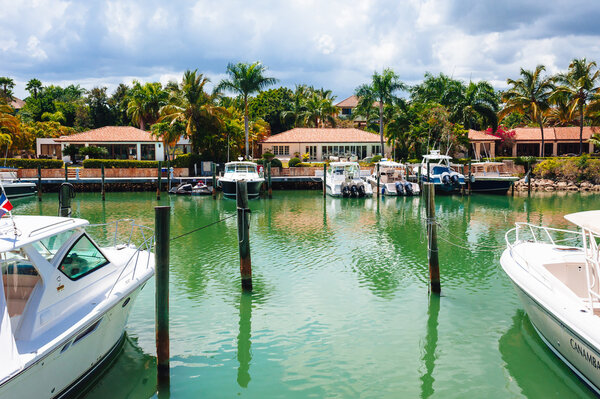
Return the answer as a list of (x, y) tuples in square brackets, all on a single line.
[(436, 169), (64, 300), (13, 186), (235, 171), (344, 180), (491, 177), (559, 286), (392, 180)]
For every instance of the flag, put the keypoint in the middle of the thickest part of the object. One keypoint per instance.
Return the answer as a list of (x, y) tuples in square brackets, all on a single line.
[(5, 205)]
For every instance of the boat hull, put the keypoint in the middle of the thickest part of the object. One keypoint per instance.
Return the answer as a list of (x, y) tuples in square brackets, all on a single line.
[(229, 187), (20, 189), (491, 186), (84, 352)]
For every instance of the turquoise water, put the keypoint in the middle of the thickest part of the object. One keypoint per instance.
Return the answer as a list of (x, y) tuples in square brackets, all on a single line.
[(340, 306)]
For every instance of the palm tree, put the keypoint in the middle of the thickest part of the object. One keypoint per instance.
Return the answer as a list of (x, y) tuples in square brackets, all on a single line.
[(192, 106), (563, 112), (145, 102), (580, 85), (6, 86), (245, 79), (319, 109), (298, 106), (477, 107), (382, 89), (529, 95), (33, 87)]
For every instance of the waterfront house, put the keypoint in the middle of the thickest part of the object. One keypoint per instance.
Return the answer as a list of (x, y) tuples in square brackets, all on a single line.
[(322, 143), (528, 141)]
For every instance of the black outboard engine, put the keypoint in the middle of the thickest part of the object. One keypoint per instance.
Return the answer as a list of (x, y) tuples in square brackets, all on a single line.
[(345, 190), (455, 179), (354, 191), (408, 188), (399, 188), (446, 178), (361, 190)]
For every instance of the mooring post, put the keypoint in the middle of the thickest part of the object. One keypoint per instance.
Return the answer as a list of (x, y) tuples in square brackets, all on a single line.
[(39, 176), (161, 256), (512, 189), (158, 180), (66, 193), (213, 168), (66, 173), (378, 189), (432, 248), (102, 167), (470, 174), (168, 175), (419, 182), (528, 178), (324, 180), (269, 180), (243, 234)]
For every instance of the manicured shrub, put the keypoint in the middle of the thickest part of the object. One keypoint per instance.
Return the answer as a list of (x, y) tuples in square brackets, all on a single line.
[(118, 163), (376, 158), (311, 164), (93, 151), (186, 161), (276, 163), (294, 161), (32, 163), (547, 169), (268, 155)]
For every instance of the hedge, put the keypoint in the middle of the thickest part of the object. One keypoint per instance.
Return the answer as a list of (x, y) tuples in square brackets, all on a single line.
[(32, 163), (573, 169), (119, 163), (187, 160), (294, 161), (311, 164), (275, 163)]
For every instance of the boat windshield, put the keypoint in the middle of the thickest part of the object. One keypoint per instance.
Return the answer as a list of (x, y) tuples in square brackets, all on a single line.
[(340, 169), (19, 277), (240, 169), (50, 245), (82, 258)]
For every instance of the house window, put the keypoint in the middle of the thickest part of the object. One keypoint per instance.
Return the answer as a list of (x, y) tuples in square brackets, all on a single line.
[(148, 152), (312, 151), (281, 149), (82, 258), (375, 150), (346, 111)]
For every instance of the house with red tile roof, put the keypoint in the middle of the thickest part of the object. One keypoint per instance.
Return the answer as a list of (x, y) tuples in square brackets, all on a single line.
[(122, 142), (528, 141), (322, 143)]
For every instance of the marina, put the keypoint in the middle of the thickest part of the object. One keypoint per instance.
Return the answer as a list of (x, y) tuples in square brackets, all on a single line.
[(339, 305)]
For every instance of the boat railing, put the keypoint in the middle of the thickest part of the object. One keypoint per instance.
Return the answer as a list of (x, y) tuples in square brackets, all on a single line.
[(126, 234)]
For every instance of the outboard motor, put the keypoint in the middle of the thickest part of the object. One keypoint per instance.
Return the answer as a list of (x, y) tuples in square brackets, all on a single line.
[(354, 191), (445, 178), (361, 190), (455, 179), (345, 190), (408, 188), (399, 188)]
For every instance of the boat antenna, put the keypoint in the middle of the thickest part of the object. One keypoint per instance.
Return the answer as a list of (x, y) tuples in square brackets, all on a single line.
[(17, 233)]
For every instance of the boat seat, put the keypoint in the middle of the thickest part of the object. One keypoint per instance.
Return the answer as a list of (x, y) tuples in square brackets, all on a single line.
[(17, 289)]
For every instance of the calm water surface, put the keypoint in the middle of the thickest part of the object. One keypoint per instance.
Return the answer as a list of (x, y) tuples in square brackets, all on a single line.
[(340, 307)]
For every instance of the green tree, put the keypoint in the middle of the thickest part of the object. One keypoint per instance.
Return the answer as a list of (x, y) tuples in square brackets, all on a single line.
[(6, 86), (293, 115), (529, 95), (97, 101), (118, 105), (319, 110), (580, 84), (244, 80), (145, 102), (169, 134), (270, 105), (93, 152), (477, 107), (382, 89), (34, 86)]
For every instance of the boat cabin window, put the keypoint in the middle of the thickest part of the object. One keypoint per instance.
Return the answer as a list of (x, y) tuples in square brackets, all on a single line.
[(240, 168), (48, 247), (82, 258), (19, 277)]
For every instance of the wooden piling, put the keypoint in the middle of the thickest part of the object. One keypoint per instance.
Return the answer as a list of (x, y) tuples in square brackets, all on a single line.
[(377, 187), (269, 179), (168, 176), (39, 176), (158, 180), (213, 168), (243, 234), (161, 256), (324, 180), (432, 247), (102, 167), (469, 182), (66, 173), (528, 178)]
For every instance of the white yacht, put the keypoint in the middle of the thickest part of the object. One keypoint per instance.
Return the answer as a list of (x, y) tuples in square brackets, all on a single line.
[(64, 300), (559, 286), (13, 186), (235, 171), (436, 169), (491, 177), (392, 180), (344, 180)]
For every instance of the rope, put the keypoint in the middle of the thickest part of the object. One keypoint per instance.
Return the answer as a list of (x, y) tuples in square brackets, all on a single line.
[(203, 227)]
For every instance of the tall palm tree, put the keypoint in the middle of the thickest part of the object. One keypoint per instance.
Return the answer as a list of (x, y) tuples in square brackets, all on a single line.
[(245, 79), (191, 105), (382, 89), (298, 105), (580, 84), (33, 87), (477, 107), (529, 95), (319, 109), (145, 102), (6, 86)]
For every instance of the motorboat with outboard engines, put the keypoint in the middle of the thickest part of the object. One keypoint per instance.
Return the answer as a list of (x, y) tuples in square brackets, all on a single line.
[(344, 180), (556, 274), (241, 170), (392, 179), (188, 189), (13, 186), (491, 177), (436, 169), (65, 299)]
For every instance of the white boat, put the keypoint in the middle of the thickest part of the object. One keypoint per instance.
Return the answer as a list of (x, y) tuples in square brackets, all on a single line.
[(436, 169), (559, 286), (491, 177), (64, 300), (392, 180), (13, 186), (344, 180), (235, 171)]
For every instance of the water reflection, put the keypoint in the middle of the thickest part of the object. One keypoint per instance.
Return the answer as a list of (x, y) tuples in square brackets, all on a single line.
[(244, 352), (536, 370), (429, 349)]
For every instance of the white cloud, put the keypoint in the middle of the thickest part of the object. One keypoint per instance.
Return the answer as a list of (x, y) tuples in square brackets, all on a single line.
[(325, 44), (33, 47)]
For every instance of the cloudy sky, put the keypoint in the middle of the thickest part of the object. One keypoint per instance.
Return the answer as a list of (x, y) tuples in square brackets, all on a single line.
[(327, 43)]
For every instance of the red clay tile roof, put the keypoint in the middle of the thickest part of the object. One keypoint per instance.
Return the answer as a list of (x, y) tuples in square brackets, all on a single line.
[(477, 135), (350, 102), (572, 133), (550, 133), (17, 103), (109, 133), (323, 135)]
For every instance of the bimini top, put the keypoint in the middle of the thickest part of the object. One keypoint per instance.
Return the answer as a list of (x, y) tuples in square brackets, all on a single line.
[(435, 154), (334, 164), (589, 220), (247, 163), (390, 164), (33, 228)]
